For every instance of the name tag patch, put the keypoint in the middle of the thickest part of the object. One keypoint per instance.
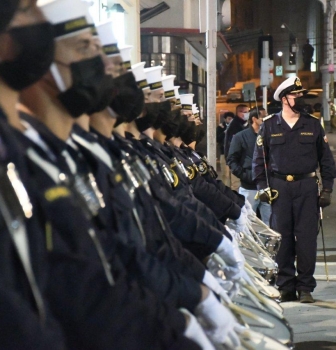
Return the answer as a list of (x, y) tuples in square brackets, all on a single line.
[(307, 134), (55, 193), (277, 135)]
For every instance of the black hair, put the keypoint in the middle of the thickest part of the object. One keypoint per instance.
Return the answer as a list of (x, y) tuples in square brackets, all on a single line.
[(7, 10), (228, 114), (253, 113)]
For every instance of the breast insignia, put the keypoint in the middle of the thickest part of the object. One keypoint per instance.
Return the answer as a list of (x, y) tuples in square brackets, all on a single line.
[(259, 140), (202, 168)]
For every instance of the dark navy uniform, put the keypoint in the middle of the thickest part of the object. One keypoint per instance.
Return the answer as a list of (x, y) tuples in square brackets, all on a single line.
[(26, 320), (91, 307), (293, 156)]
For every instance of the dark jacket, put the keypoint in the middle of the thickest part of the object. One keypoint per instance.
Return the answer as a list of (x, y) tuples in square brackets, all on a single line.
[(220, 137), (240, 157), (237, 124)]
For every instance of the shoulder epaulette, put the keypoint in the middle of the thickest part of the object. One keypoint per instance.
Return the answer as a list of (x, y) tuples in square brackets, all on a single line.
[(314, 116), (268, 117)]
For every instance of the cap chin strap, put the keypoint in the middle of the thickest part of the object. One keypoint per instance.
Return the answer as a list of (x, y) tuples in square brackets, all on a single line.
[(57, 77), (296, 112)]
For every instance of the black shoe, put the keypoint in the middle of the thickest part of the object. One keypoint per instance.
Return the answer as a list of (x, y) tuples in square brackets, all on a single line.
[(288, 295), (305, 297)]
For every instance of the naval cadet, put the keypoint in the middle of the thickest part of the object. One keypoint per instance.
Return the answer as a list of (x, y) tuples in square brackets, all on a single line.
[(26, 320), (292, 145), (82, 280)]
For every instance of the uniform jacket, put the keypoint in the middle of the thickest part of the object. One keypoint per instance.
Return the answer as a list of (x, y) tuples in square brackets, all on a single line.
[(298, 150), (93, 313)]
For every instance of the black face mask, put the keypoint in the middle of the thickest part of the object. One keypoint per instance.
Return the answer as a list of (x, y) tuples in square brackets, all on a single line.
[(91, 89), (189, 134), (128, 99), (169, 129), (35, 45), (200, 133), (299, 105), (164, 115), (150, 115)]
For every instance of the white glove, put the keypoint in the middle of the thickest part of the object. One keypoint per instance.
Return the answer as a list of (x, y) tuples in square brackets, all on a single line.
[(195, 332), (232, 256), (218, 321), (241, 222), (211, 282), (250, 212)]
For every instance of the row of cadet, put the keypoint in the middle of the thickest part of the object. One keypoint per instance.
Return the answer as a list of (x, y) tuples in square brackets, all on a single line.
[(112, 237)]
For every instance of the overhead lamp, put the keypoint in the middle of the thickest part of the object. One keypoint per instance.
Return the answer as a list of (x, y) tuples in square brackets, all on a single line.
[(117, 8)]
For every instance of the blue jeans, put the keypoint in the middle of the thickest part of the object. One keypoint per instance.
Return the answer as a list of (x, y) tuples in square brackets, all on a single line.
[(264, 208)]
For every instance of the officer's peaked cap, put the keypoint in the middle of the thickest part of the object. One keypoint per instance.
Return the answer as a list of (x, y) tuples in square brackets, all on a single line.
[(291, 85)]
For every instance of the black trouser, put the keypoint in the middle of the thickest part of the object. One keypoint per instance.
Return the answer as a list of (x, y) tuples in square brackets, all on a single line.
[(295, 216)]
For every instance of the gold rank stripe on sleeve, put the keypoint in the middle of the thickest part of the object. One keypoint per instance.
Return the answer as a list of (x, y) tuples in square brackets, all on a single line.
[(268, 117)]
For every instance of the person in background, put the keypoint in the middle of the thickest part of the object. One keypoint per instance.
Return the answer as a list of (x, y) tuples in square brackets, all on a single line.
[(239, 122), (225, 120), (240, 162), (307, 55)]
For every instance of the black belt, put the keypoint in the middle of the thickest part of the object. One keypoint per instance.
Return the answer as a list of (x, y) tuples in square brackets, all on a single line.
[(291, 178)]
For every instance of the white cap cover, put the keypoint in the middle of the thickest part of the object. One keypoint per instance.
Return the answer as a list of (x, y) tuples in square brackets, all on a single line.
[(187, 101), (291, 85), (140, 76), (168, 86), (177, 95), (67, 16), (107, 38), (125, 53), (153, 76)]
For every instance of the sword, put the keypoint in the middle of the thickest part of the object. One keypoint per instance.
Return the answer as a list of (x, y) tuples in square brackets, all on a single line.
[(323, 244)]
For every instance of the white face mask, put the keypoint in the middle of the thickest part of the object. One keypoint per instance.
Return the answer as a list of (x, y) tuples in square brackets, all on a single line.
[(246, 116)]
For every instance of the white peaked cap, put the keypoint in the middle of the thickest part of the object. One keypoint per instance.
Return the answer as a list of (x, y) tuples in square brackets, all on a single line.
[(125, 53), (177, 95), (140, 76), (153, 76), (187, 101), (194, 108), (291, 85), (168, 86), (107, 38), (67, 16)]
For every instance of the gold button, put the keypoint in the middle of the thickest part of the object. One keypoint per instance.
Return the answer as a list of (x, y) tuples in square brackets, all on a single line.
[(289, 178)]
